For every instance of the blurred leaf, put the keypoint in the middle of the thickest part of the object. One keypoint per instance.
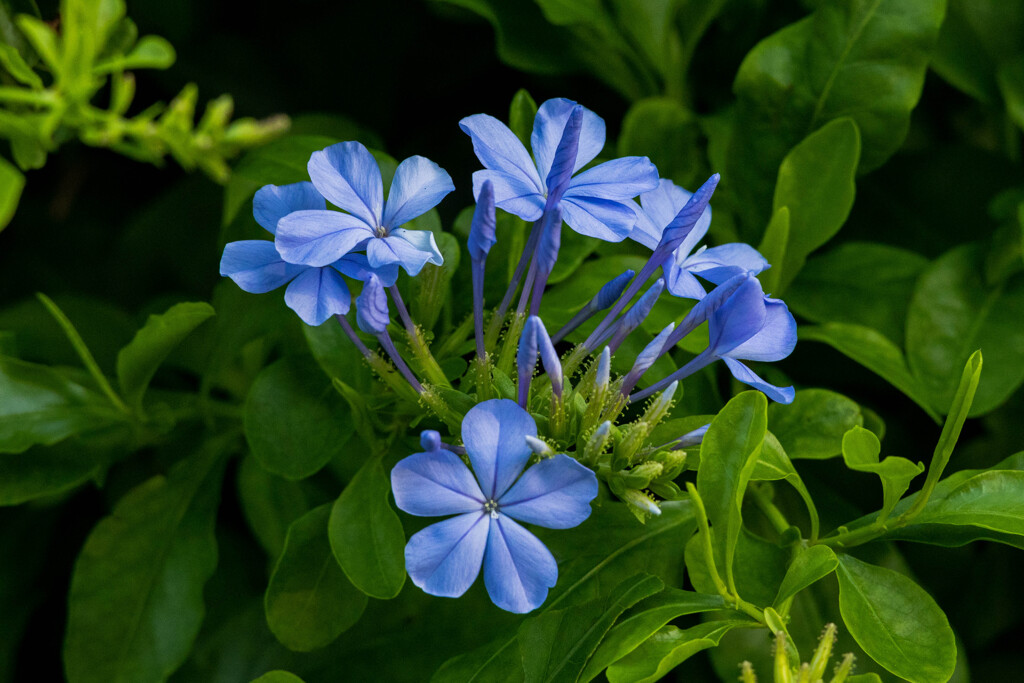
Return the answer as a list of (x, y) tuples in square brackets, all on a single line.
[(138, 361), (521, 113), (270, 504), (816, 184), (860, 58), (809, 565), (873, 351), (858, 282), (556, 645), (309, 602), (278, 677), (151, 52), (773, 247), (665, 131), (366, 535), (43, 471), (295, 422), (136, 600), (11, 184), (861, 449), (953, 313), (1011, 85), (15, 65), (728, 456), (668, 648), (813, 425), (429, 290), (896, 622)]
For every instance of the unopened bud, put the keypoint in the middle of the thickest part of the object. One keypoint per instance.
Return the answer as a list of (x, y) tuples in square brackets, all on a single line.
[(430, 440), (823, 653), (659, 407), (596, 443), (641, 476), (539, 447), (641, 501)]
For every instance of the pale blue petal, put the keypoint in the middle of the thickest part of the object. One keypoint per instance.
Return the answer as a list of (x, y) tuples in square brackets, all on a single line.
[(393, 250), (511, 194), (720, 263), (699, 229), (680, 282), (618, 179), (738, 319), (600, 218), (418, 186), (644, 230), (499, 149), (744, 374), (357, 267), (776, 338), (318, 238), (422, 240), (255, 266), (273, 202), (444, 559), (518, 568), (347, 174), (555, 493), (663, 203), (547, 132), (318, 294), (435, 484), (494, 433)]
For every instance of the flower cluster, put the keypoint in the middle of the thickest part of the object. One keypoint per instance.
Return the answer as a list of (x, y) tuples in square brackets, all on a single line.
[(575, 422)]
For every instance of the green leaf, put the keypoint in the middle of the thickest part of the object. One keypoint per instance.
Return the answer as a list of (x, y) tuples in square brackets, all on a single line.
[(309, 602), (41, 405), (668, 648), (278, 677), (809, 565), (11, 184), (1011, 85), (813, 425), (43, 39), (136, 600), (816, 184), (295, 422), (773, 247), (520, 116), (896, 622), (861, 449), (270, 504), (151, 52), (864, 59), (138, 361), (15, 65), (760, 567), (556, 645), (643, 621), (991, 500), (366, 535), (953, 312), (430, 289), (774, 464), (728, 456), (861, 283), (875, 352), (667, 133)]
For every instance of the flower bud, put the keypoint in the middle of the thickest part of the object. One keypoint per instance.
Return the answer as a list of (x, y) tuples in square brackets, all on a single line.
[(430, 440)]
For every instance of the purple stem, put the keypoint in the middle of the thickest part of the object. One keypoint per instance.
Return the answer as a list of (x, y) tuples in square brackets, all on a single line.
[(343, 321), (701, 360), (403, 312), (513, 285), (385, 340), (478, 306)]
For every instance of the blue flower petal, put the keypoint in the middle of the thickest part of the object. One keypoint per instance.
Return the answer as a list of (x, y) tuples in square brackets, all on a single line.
[(555, 493), (738, 319), (499, 149), (662, 204), (395, 249), (720, 263), (776, 338), (494, 433), (444, 559), (318, 238), (434, 484), (603, 219), (317, 294), (518, 568), (255, 266), (547, 132), (357, 267), (418, 186), (347, 174), (744, 374), (511, 194), (680, 282), (619, 179), (273, 202)]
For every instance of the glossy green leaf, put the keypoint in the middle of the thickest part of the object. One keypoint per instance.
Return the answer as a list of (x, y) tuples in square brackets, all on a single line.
[(666, 649), (977, 36), (136, 600), (773, 464), (520, 116), (991, 500), (295, 421), (809, 565), (813, 425), (309, 602), (773, 247), (728, 457), (270, 504), (816, 184), (11, 183), (138, 361), (861, 283), (959, 409), (643, 621), (896, 622), (876, 353), (366, 535), (278, 677), (667, 133), (556, 645), (861, 451), (952, 314), (760, 567)]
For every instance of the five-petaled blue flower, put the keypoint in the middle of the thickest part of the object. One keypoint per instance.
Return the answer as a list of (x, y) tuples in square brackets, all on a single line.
[(716, 265), (445, 558), (348, 176), (596, 202), (315, 293)]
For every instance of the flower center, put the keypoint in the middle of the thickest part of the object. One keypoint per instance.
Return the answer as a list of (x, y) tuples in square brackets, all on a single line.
[(380, 231), (491, 508)]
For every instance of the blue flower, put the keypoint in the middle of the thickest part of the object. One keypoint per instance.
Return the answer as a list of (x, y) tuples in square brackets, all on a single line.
[(348, 176), (716, 265), (315, 293), (445, 558), (596, 202)]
